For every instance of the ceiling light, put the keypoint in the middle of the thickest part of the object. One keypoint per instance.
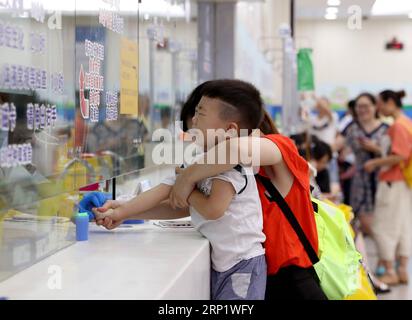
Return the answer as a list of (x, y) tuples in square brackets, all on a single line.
[(391, 7), (332, 10), (333, 2)]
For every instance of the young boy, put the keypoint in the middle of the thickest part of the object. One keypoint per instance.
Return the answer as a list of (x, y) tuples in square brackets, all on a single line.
[(226, 208)]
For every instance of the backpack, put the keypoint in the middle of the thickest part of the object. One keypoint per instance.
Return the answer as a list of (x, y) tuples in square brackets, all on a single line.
[(406, 166), (338, 263)]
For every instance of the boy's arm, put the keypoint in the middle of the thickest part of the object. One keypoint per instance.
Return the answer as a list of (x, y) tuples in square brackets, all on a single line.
[(144, 201), (136, 207), (213, 207), (163, 211)]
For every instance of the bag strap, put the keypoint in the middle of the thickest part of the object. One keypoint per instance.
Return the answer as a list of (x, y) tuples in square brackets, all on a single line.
[(275, 196)]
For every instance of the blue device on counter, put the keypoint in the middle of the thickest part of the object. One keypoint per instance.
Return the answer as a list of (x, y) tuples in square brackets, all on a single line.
[(130, 221), (82, 226)]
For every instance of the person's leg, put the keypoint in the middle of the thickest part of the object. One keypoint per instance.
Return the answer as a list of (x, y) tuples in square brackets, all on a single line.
[(278, 286), (405, 242), (386, 227), (216, 282), (307, 286), (360, 246), (257, 287), (366, 219), (294, 283), (379, 286), (403, 270), (244, 281)]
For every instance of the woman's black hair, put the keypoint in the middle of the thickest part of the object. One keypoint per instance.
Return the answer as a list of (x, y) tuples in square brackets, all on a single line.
[(267, 126), (368, 95), (396, 97), (351, 105)]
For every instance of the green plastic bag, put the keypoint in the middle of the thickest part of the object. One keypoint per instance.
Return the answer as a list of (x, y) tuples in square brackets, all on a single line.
[(339, 261), (306, 80)]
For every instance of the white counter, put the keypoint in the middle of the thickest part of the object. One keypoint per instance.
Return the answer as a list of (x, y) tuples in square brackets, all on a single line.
[(141, 262)]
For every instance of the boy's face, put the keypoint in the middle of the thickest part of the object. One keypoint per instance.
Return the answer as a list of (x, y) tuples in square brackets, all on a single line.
[(207, 117), (322, 163)]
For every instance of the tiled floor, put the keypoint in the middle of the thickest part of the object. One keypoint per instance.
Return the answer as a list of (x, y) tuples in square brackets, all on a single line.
[(400, 292)]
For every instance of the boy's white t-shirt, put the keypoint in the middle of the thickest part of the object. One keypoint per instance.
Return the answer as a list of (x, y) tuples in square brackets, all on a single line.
[(238, 234)]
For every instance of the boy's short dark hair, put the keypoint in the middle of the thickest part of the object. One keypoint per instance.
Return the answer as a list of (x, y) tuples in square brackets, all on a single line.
[(242, 101), (189, 107), (320, 149)]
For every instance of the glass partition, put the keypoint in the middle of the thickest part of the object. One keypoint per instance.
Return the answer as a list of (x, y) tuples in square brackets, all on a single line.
[(37, 97), (83, 84)]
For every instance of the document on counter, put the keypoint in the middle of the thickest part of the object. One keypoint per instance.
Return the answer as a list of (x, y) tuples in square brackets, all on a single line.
[(173, 223)]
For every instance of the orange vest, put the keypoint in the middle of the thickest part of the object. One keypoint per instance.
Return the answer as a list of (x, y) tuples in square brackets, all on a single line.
[(283, 247)]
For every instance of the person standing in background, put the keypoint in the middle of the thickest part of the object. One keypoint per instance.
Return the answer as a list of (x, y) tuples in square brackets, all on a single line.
[(324, 125), (349, 116), (392, 225), (363, 136), (346, 159)]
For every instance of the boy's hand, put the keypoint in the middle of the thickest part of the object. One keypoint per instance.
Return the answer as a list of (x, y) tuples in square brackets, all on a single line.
[(93, 200), (107, 216)]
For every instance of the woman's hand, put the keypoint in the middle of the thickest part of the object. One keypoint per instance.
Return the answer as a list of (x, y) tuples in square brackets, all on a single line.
[(181, 190), (369, 145), (370, 166)]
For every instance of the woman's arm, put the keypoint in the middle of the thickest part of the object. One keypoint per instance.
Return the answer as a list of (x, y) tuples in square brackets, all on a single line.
[(339, 143), (370, 146), (214, 206), (247, 151), (373, 164)]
